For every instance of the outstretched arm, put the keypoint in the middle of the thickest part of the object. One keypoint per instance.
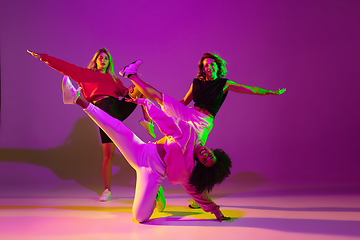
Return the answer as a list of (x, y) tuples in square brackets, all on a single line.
[(188, 97), (34, 54), (240, 88), (74, 72)]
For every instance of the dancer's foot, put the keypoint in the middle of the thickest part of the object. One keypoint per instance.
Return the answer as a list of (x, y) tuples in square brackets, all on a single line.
[(70, 95), (160, 200), (194, 205), (106, 195), (149, 127), (130, 69)]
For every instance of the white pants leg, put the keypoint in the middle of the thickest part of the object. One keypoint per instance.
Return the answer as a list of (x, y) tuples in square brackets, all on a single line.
[(201, 122), (144, 158)]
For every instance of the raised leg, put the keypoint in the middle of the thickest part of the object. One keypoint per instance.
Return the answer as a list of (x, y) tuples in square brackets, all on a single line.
[(147, 90)]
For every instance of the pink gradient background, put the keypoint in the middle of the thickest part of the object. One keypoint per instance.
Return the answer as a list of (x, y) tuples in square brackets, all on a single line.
[(307, 137)]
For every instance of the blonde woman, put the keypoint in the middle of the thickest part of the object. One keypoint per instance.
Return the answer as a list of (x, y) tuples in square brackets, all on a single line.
[(100, 86)]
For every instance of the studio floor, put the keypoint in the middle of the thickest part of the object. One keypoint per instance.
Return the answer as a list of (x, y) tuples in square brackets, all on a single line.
[(271, 213)]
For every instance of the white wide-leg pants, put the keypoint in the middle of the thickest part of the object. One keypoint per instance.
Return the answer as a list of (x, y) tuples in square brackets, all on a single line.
[(143, 157)]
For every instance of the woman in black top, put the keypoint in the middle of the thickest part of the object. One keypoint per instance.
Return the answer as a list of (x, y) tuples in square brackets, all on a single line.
[(210, 88), (209, 91)]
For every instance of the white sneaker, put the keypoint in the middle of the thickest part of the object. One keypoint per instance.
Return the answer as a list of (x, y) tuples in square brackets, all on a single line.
[(130, 69), (106, 195), (69, 93), (149, 127), (160, 200)]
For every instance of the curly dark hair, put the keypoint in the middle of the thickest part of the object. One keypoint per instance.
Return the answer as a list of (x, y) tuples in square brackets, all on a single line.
[(204, 178), (221, 64)]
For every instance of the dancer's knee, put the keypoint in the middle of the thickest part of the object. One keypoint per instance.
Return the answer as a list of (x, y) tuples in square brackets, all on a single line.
[(142, 212), (141, 217)]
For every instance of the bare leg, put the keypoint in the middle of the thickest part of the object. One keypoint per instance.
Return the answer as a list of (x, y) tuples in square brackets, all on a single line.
[(108, 154), (147, 90)]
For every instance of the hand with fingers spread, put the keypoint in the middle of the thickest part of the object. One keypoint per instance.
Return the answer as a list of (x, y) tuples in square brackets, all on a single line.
[(135, 95), (223, 218), (280, 91), (132, 100), (34, 54), (134, 92)]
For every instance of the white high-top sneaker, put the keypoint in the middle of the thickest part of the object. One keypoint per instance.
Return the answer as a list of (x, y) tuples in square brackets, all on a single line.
[(70, 94)]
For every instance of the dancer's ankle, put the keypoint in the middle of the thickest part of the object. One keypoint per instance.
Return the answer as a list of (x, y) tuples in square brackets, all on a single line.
[(82, 102)]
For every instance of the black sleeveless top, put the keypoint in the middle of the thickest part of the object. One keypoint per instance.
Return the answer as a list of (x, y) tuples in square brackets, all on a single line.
[(209, 94)]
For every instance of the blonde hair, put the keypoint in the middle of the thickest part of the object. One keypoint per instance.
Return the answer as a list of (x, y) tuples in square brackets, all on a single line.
[(109, 69)]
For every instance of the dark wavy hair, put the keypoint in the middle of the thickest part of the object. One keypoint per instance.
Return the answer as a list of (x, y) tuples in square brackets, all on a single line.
[(221, 64), (204, 178)]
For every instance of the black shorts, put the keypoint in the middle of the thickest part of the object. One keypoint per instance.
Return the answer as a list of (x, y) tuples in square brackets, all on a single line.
[(119, 109)]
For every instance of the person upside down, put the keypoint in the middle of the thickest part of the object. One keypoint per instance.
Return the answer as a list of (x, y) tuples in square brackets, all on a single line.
[(179, 156)]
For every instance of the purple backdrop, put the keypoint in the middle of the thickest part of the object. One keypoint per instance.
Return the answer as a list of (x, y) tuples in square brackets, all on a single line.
[(308, 136)]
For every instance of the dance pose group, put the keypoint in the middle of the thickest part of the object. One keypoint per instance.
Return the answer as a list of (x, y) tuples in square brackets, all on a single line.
[(181, 155)]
